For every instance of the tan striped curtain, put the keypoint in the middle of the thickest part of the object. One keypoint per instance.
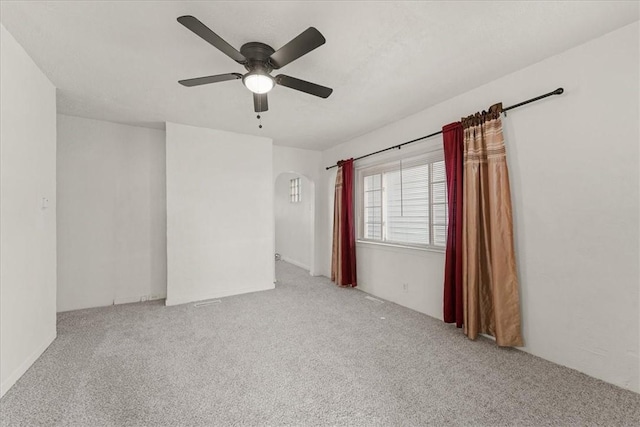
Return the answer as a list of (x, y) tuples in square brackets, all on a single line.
[(490, 281)]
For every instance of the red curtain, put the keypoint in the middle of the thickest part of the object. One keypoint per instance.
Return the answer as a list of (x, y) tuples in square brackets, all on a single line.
[(343, 257), (453, 136)]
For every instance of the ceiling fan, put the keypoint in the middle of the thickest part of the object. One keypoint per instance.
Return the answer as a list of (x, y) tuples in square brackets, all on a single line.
[(260, 59)]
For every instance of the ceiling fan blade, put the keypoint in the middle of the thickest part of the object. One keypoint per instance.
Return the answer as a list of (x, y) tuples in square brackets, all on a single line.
[(260, 103), (303, 86), (203, 31), (210, 79), (308, 40)]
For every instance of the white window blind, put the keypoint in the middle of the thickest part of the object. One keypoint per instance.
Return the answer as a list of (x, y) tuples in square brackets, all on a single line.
[(373, 206), (404, 202)]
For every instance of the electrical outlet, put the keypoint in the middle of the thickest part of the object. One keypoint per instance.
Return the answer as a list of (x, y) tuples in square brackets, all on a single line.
[(405, 287), (143, 298)]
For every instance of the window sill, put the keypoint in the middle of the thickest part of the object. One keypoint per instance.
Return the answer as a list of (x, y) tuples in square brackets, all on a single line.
[(395, 247)]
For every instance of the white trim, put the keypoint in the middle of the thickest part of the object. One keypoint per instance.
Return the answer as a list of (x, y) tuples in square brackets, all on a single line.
[(412, 159), (396, 247), (294, 262), (492, 338), (183, 299), (19, 372), (420, 148), (126, 300), (139, 298)]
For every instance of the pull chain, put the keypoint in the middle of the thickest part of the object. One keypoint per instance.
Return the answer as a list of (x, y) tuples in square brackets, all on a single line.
[(259, 121)]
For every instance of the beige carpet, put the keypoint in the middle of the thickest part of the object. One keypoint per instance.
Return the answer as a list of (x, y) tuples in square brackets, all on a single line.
[(306, 353)]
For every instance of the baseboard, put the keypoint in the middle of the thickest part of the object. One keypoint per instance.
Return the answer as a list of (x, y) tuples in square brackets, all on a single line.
[(19, 372), (116, 301), (126, 300), (294, 262), (491, 337), (138, 298), (184, 299)]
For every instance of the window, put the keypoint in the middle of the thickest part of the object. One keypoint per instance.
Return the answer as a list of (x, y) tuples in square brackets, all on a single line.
[(294, 190), (404, 202)]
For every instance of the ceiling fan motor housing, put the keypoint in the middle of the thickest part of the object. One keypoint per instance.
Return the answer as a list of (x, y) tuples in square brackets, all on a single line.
[(257, 55)]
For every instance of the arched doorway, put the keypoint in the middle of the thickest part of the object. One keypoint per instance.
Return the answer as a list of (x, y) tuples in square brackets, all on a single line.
[(294, 205)]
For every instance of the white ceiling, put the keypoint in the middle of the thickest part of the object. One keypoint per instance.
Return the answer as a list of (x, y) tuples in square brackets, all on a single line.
[(120, 61)]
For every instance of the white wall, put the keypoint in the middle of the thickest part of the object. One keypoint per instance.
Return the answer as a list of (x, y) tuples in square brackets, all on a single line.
[(111, 213), (219, 213), (295, 160), (27, 231), (294, 221), (573, 163), (307, 163)]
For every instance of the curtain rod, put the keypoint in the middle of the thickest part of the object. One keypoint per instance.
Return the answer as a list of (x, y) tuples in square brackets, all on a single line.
[(558, 91)]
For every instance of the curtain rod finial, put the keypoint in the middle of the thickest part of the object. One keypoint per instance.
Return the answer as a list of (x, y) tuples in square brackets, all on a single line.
[(558, 91)]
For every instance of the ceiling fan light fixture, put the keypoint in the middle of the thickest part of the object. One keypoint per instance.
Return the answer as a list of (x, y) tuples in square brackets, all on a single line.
[(258, 82)]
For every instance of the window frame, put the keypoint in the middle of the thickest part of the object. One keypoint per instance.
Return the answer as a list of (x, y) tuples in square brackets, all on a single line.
[(390, 165), (295, 190)]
